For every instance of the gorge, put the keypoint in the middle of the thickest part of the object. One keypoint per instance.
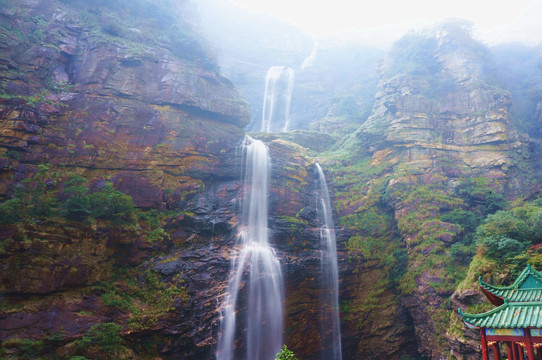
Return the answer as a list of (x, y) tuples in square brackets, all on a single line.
[(162, 188)]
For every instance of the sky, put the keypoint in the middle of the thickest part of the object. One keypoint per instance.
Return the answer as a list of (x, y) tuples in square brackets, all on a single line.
[(322, 17)]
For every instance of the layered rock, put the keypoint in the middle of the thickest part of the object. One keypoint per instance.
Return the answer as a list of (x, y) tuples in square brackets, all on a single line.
[(93, 106), (87, 98), (440, 138)]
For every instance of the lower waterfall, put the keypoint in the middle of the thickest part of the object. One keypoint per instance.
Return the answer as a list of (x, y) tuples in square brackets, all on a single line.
[(255, 271), (330, 329)]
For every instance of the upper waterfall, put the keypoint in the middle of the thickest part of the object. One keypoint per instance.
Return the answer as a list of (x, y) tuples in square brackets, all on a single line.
[(279, 86)]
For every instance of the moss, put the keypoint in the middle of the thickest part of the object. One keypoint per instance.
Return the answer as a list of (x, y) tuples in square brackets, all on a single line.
[(104, 341), (144, 296)]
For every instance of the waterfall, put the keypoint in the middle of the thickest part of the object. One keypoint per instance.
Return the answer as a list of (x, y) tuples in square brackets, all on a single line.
[(279, 86), (255, 271), (330, 328), (288, 101), (309, 61)]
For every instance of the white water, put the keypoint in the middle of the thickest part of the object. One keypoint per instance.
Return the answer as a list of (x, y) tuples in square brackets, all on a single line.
[(309, 61), (279, 86), (255, 271), (288, 100), (330, 329)]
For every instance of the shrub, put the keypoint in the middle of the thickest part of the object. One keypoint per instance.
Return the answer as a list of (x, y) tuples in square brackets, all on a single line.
[(494, 202), (462, 253), (106, 337), (466, 219), (504, 224), (113, 205), (30, 348), (77, 207), (285, 354), (10, 211), (535, 224), (501, 248)]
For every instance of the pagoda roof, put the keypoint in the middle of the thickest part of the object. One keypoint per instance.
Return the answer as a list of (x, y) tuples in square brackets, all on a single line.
[(510, 315), (526, 288)]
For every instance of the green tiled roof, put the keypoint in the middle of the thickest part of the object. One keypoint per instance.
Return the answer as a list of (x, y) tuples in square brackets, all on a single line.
[(527, 287), (513, 294), (508, 316)]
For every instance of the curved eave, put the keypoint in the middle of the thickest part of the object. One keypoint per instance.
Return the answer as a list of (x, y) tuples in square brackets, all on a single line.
[(507, 316), (513, 293), (493, 298), (496, 289), (528, 271)]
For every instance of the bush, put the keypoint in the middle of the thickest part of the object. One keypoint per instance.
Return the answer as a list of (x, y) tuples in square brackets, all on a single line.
[(466, 219), (104, 336), (504, 224), (535, 224), (494, 202), (285, 354), (10, 211), (113, 205), (30, 349), (107, 336), (462, 253), (501, 248), (77, 207)]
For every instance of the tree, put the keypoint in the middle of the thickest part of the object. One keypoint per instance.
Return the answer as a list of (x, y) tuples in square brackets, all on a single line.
[(504, 224), (501, 248)]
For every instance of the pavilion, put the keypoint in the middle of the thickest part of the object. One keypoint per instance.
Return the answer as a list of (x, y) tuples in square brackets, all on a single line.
[(516, 322)]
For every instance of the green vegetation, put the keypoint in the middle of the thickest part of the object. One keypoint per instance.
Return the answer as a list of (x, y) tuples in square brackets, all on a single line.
[(285, 354), (32, 100), (32, 349), (144, 295), (103, 339), (506, 234), (42, 197), (414, 54), (504, 242)]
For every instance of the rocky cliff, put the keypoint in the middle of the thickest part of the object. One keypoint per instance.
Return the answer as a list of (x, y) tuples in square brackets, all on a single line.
[(120, 183), (120, 153), (440, 141), (117, 108)]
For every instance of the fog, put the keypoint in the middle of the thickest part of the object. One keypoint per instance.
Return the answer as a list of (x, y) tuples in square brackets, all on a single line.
[(379, 23)]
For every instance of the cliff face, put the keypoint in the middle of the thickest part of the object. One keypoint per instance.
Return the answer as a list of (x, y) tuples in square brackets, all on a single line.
[(120, 183), (120, 153), (91, 102), (439, 141)]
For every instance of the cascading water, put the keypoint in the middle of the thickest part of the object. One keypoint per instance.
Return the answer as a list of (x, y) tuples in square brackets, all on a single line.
[(257, 265), (330, 329), (309, 61), (279, 86), (288, 101)]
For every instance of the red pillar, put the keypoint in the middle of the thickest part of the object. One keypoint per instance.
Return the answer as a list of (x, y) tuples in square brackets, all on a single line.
[(529, 342), (515, 351), (496, 352), (509, 352), (484, 343)]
